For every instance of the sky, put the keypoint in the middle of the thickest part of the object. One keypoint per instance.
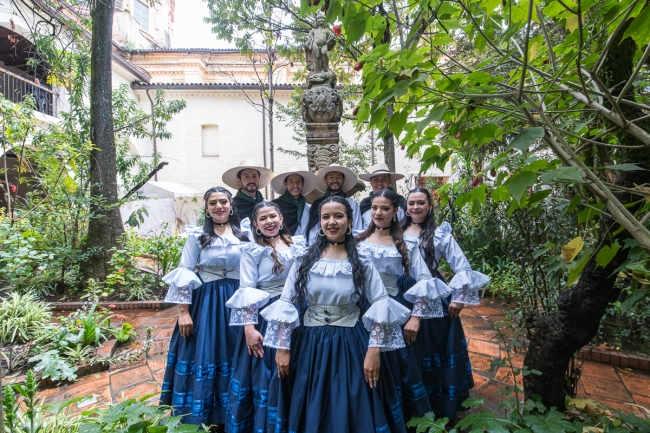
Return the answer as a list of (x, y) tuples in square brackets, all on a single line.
[(190, 31)]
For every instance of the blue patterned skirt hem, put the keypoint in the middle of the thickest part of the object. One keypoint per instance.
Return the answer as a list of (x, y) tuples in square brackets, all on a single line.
[(250, 395), (197, 377), (326, 391)]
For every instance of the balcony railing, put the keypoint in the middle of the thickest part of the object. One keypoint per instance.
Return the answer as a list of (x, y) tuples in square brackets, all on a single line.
[(15, 88)]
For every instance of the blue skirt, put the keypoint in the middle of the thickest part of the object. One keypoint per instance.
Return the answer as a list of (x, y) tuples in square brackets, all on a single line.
[(197, 376), (326, 391), (250, 395), (444, 360), (404, 365)]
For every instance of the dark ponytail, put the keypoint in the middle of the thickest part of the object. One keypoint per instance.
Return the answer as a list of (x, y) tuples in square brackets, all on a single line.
[(395, 229), (315, 252), (208, 225), (427, 242), (285, 235)]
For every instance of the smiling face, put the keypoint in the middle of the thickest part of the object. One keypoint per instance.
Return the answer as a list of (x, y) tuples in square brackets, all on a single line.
[(382, 212), (334, 181), (249, 180), (418, 206), (268, 221), (379, 182), (294, 184), (334, 221), (218, 207)]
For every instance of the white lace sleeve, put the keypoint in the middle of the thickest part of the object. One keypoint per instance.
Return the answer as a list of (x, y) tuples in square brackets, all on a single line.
[(282, 316), (278, 335), (179, 295), (243, 316), (427, 291), (386, 337), (427, 308)]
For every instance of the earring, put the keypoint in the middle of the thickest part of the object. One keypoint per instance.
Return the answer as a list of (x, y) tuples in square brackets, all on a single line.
[(430, 210), (281, 226), (407, 213), (207, 214), (349, 232), (321, 232), (394, 217), (259, 233), (232, 211)]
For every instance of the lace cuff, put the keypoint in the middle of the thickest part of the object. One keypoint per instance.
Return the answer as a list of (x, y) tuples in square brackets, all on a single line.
[(387, 337), (179, 295), (466, 284), (278, 335), (427, 308), (243, 316)]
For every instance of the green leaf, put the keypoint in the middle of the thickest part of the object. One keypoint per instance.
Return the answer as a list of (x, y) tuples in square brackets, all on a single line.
[(473, 402), (562, 175), (625, 167), (500, 194), (607, 253), (550, 422), (435, 116), (639, 30), (632, 300), (519, 183), (485, 420), (526, 138), (576, 269), (397, 122)]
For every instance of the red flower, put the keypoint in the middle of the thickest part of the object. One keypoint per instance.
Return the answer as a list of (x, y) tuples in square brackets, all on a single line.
[(13, 187), (337, 30), (476, 182), (458, 136), (111, 306), (358, 66)]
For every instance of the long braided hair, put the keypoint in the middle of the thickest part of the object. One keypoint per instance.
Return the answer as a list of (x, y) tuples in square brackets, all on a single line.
[(208, 225), (428, 226), (395, 229), (315, 252), (285, 235)]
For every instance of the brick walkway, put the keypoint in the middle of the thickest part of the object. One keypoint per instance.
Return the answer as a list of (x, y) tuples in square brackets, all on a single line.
[(609, 385)]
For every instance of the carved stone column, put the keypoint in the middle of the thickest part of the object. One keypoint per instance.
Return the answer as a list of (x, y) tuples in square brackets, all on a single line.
[(322, 108)]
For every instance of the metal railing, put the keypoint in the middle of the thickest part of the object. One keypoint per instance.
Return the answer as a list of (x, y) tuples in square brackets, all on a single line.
[(15, 88)]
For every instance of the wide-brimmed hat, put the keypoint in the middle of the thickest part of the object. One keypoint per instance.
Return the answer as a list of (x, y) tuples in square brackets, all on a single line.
[(230, 176), (309, 181), (378, 169), (350, 177)]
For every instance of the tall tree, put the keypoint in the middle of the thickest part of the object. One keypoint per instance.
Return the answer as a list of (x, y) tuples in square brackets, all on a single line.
[(105, 226)]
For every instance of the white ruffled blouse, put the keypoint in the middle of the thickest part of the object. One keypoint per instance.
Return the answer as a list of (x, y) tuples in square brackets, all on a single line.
[(224, 251), (425, 294), (466, 282), (331, 283), (255, 268)]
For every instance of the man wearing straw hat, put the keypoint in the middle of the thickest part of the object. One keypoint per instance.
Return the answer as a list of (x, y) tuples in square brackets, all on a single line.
[(380, 177), (248, 178), (335, 179), (292, 187)]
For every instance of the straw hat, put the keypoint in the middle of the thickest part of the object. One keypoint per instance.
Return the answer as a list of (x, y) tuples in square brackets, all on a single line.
[(350, 177), (310, 181), (230, 176), (380, 169)]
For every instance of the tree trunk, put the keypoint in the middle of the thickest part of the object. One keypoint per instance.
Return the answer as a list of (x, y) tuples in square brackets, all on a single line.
[(580, 310), (105, 226), (389, 147)]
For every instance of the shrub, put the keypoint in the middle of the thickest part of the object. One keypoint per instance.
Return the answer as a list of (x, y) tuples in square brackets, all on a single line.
[(22, 317)]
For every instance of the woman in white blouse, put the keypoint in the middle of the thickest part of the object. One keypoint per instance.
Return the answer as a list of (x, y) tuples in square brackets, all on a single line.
[(263, 270), (197, 376), (329, 367), (394, 258), (446, 368)]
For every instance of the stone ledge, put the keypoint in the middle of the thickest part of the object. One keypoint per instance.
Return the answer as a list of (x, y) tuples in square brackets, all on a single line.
[(133, 305), (618, 359)]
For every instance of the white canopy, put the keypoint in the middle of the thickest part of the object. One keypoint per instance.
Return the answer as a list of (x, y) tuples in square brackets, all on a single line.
[(169, 207)]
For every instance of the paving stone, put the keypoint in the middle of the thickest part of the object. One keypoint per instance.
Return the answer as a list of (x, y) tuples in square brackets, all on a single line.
[(148, 313), (492, 392), (107, 348), (517, 359), (138, 391), (171, 313), (642, 400), (601, 371), (614, 404), (475, 322), (486, 311), (161, 346), (479, 381), (505, 375), (154, 322), (127, 365), (90, 385), (605, 388), (484, 347), (481, 363), (636, 385), (157, 362), (127, 378), (159, 376), (482, 334), (52, 395), (468, 312), (166, 332)]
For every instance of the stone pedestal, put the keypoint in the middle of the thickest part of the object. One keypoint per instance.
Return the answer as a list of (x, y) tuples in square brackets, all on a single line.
[(322, 145)]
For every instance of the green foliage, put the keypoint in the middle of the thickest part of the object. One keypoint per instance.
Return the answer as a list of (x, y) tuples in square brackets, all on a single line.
[(125, 333), (50, 364), (22, 317), (124, 277)]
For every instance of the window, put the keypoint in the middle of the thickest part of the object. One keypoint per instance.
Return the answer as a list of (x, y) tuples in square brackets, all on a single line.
[(141, 15), (210, 140)]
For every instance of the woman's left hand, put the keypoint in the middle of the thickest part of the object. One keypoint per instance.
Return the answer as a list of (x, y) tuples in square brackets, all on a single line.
[(454, 309), (371, 366), (254, 341), (411, 330)]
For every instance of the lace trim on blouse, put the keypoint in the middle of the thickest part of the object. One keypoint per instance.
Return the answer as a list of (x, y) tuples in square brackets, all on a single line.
[(179, 295), (386, 337), (427, 308), (243, 316), (278, 335)]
